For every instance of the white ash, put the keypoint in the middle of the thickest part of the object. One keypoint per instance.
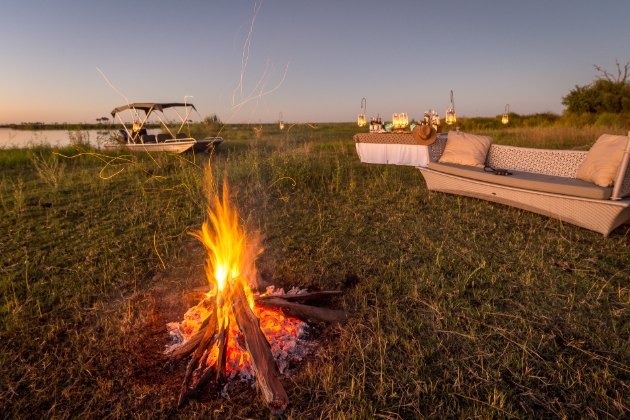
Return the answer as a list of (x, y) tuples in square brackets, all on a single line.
[(286, 337)]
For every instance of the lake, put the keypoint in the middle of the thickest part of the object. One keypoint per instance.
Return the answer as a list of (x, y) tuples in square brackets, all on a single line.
[(25, 138)]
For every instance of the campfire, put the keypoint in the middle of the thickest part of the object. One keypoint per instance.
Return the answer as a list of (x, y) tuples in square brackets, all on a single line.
[(234, 330)]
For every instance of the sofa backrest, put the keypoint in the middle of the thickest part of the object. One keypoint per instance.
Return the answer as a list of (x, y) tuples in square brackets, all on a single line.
[(543, 161)]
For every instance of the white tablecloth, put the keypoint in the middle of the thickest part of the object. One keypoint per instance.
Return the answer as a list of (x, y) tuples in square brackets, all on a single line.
[(393, 154)]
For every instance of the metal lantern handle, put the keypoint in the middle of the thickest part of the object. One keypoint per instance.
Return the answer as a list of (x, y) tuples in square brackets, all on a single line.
[(452, 101), (506, 117), (364, 106)]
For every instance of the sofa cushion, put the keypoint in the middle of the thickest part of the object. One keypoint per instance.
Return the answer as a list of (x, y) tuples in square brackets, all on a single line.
[(602, 162), (528, 181), (466, 149)]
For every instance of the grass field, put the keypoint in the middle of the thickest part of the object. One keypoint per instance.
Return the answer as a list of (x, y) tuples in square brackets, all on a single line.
[(460, 307)]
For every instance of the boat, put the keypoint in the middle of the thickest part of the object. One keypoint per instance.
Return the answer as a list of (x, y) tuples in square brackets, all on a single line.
[(136, 138)]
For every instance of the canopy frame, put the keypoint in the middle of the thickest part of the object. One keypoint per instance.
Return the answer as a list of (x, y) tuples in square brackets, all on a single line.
[(148, 108)]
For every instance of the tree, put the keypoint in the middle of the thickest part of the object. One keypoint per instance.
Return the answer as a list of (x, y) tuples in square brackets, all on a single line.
[(619, 79), (608, 93), (212, 119)]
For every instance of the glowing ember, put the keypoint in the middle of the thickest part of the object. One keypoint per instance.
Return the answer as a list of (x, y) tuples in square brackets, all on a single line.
[(283, 334)]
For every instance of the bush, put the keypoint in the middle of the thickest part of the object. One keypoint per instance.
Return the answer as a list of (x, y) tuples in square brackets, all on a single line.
[(607, 93), (212, 119)]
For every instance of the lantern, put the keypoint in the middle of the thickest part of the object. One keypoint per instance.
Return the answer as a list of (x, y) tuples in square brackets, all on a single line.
[(505, 119), (400, 120), (361, 119), (281, 122), (451, 117)]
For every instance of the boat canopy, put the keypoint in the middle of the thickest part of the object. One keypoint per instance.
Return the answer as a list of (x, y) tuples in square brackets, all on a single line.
[(149, 107)]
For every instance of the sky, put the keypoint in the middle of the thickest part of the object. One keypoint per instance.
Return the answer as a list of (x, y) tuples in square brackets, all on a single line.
[(311, 61)]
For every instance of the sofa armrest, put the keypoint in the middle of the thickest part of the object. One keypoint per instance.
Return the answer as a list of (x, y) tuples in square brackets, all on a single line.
[(437, 148), (622, 180)]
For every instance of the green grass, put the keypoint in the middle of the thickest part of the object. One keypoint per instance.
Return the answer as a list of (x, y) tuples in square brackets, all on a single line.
[(461, 307)]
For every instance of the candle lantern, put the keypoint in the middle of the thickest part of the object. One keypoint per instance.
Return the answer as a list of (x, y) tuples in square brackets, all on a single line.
[(281, 122), (451, 116), (361, 119), (506, 117), (400, 121)]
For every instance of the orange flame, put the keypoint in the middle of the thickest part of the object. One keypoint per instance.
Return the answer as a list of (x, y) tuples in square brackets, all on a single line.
[(230, 263), (230, 255)]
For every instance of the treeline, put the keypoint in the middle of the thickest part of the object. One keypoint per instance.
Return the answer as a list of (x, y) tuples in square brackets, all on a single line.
[(547, 119), (66, 126)]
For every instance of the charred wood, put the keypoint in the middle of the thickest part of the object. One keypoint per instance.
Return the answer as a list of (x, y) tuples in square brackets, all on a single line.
[(206, 342), (188, 346), (203, 379), (222, 343), (306, 313), (260, 352), (301, 297), (191, 344)]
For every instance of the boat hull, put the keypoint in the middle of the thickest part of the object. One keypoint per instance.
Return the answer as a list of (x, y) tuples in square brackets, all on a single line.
[(180, 146), (207, 145), (170, 147)]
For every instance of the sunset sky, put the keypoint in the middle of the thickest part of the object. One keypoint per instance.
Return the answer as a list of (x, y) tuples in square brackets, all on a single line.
[(402, 56)]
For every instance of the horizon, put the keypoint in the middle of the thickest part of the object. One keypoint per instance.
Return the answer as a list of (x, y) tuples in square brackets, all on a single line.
[(75, 62)]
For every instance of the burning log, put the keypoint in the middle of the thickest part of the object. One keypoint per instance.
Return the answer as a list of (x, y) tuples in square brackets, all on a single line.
[(306, 313), (222, 343), (206, 341), (298, 297), (262, 360), (191, 344)]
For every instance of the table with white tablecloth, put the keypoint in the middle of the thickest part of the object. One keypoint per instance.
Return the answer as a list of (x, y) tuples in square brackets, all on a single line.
[(391, 148)]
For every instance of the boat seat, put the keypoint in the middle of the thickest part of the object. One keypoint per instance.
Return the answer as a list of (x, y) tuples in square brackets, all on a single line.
[(529, 181), (181, 136), (148, 138), (163, 137)]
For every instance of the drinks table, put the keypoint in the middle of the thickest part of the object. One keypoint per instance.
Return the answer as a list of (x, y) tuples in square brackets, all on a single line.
[(392, 149)]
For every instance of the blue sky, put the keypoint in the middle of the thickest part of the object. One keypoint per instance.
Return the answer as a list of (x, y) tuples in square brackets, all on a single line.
[(402, 56)]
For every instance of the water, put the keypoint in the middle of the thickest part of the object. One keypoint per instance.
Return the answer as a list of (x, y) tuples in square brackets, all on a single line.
[(26, 138)]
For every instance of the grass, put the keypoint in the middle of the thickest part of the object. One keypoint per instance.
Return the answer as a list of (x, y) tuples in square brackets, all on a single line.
[(461, 308)]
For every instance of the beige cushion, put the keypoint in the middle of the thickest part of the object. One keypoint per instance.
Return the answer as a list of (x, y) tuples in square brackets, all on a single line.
[(602, 162), (466, 149), (529, 181)]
